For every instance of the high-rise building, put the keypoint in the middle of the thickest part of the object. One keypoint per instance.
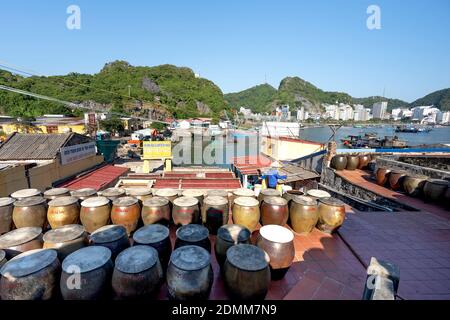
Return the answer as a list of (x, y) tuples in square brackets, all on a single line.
[(379, 110)]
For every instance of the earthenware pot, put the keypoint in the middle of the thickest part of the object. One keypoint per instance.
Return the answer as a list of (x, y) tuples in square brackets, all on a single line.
[(156, 236), (185, 211), (278, 243), (155, 210), (141, 194), (413, 184), (126, 212), (434, 189), (169, 194), (95, 213), (396, 179), (246, 273), (66, 239), (331, 215), (291, 194), (352, 162), (268, 193), (26, 193), (364, 161), (32, 275), (317, 194), (246, 212), (241, 192), (6, 212), (112, 193), (113, 237), (193, 234), (382, 176), (228, 236), (93, 267), (137, 273), (189, 275), (304, 214), (20, 240), (274, 210), (217, 192), (194, 193), (63, 211), (83, 194), (30, 212), (339, 162), (215, 212), (54, 193)]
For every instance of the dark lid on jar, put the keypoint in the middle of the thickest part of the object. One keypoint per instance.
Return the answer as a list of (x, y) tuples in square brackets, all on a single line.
[(25, 193), (247, 257), (19, 236), (276, 201), (29, 202), (332, 202), (28, 263), (139, 192), (136, 259), (217, 192), (85, 192), (192, 233), (185, 201), (155, 202), (63, 201), (441, 182), (7, 201), (215, 201), (113, 192), (190, 258), (234, 233), (86, 259), (56, 192), (304, 200), (125, 202), (152, 233), (95, 202), (108, 233), (65, 233), (270, 193)]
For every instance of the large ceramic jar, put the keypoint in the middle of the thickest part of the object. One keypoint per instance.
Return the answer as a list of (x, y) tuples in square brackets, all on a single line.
[(189, 275), (331, 215), (54, 193), (6, 212), (246, 272), (434, 189), (364, 161), (84, 193), (382, 176), (141, 194), (317, 194), (339, 162), (193, 235), (266, 193), (156, 210), (396, 179), (246, 212), (30, 212), (169, 194), (215, 212), (198, 194), (291, 194), (352, 162), (95, 213), (137, 273), (113, 193), (26, 193), (217, 192), (113, 237), (304, 214), (156, 236), (32, 275), (228, 236), (93, 267), (20, 240), (413, 184), (278, 243), (241, 192), (185, 211), (66, 239), (63, 211), (126, 212), (274, 210)]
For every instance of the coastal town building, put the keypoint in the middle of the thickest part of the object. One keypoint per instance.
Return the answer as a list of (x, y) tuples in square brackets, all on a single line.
[(379, 110)]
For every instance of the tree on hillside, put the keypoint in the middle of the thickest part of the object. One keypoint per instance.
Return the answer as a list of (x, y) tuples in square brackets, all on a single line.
[(112, 125)]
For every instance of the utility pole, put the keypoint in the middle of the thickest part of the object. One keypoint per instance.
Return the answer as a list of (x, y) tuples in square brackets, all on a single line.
[(129, 91)]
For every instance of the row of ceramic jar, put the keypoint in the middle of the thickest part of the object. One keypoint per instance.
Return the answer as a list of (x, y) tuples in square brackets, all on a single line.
[(350, 162), (432, 190), (89, 272)]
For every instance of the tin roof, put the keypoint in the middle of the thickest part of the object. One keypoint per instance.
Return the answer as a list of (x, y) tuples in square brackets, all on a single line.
[(98, 179)]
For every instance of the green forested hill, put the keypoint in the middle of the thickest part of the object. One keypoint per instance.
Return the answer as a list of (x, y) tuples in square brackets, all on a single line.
[(369, 101), (258, 98), (440, 99)]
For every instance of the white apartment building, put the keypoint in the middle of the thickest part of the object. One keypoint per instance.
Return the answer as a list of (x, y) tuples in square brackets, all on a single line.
[(421, 112), (379, 110)]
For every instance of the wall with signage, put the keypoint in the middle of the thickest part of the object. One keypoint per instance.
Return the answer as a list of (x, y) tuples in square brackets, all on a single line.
[(77, 152), (157, 149)]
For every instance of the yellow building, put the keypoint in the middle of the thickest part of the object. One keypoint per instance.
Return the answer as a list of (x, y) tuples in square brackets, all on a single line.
[(54, 125)]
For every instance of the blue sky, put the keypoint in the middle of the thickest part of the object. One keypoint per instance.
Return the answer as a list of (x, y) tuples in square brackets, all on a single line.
[(237, 44)]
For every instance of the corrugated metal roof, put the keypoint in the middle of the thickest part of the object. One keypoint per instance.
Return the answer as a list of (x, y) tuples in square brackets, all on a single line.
[(97, 179)]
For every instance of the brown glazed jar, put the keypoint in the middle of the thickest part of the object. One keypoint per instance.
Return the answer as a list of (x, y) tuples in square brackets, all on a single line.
[(185, 211), (113, 237), (246, 212), (215, 212), (304, 214), (396, 179), (352, 162), (112, 193), (169, 194), (155, 210), (63, 211), (189, 275), (95, 213), (339, 162), (317, 194), (274, 210), (30, 212), (291, 194), (198, 194), (268, 193), (413, 184), (26, 193), (137, 273), (331, 215), (228, 236), (94, 267), (141, 194), (32, 275), (6, 212), (20, 240), (434, 189), (83, 194), (217, 192), (382, 176), (66, 239), (156, 236), (278, 243), (126, 212), (54, 193), (246, 273), (193, 235), (364, 161)]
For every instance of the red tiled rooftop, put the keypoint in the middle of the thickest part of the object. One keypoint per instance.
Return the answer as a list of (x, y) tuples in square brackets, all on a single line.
[(97, 179)]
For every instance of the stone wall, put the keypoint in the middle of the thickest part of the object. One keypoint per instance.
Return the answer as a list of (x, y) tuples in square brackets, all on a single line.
[(418, 168)]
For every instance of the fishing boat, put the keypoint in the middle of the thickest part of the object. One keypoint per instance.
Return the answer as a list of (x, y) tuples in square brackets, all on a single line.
[(371, 141)]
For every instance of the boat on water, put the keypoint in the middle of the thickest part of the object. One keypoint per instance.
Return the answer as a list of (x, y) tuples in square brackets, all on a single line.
[(412, 129), (371, 141)]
